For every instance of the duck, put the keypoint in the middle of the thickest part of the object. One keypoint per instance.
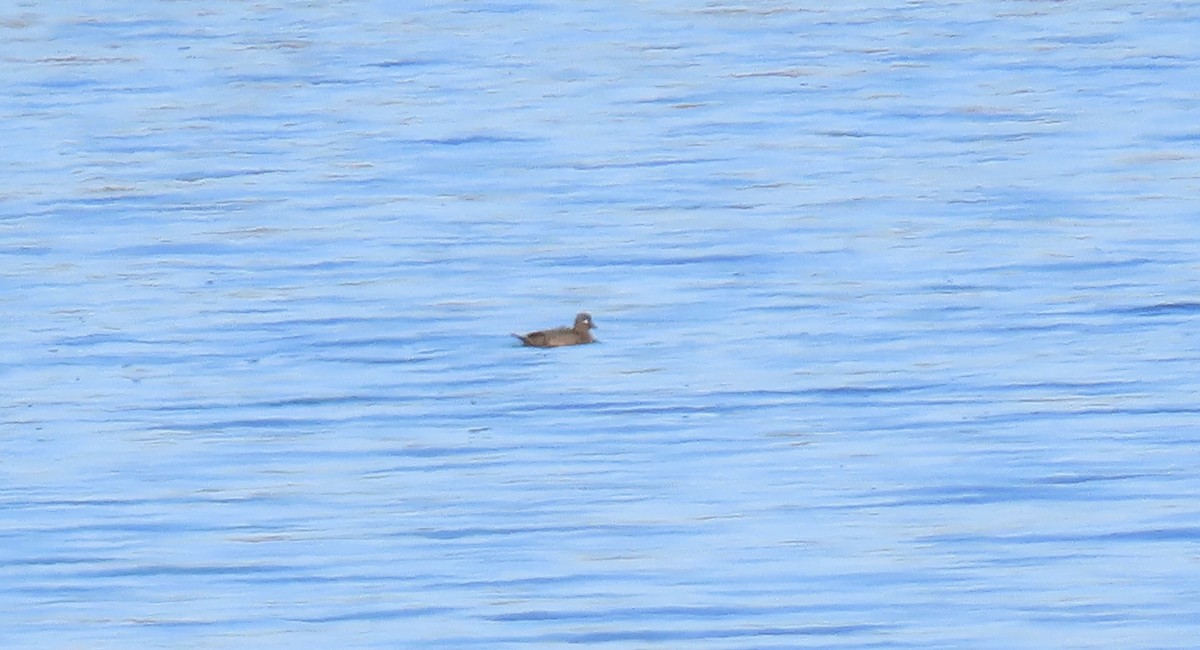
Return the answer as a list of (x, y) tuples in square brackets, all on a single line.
[(577, 334)]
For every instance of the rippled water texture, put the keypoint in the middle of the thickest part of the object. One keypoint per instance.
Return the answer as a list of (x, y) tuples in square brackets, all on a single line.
[(897, 306)]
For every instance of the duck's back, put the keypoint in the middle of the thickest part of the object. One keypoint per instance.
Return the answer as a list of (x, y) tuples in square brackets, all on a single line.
[(555, 338)]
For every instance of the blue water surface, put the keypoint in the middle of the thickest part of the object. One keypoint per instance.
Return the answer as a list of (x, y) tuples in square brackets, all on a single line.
[(898, 308)]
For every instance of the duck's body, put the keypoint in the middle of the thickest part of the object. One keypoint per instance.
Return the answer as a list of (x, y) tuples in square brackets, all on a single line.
[(578, 334)]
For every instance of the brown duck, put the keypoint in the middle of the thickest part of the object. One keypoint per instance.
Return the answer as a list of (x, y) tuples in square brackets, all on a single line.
[(578, 334)]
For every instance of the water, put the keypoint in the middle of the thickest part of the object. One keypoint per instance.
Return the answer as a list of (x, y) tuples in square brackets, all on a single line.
[(897, 309)]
